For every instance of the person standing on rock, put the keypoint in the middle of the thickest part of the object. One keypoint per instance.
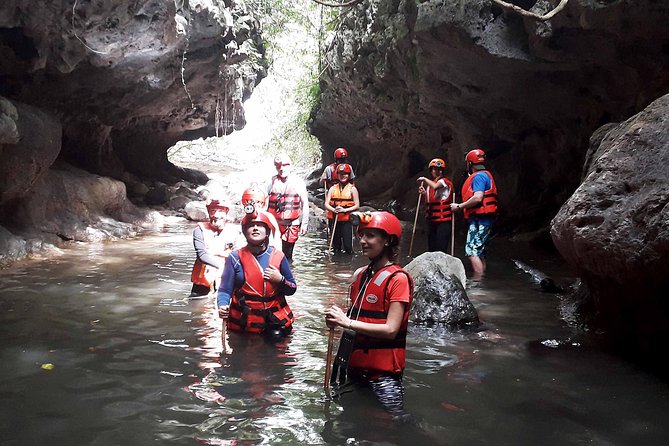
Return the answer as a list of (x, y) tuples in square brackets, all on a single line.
[(212, 247), (289, 203), (375, 325), (340, 200), (438, 193), (256, 280), (329, 177), (479, 205)]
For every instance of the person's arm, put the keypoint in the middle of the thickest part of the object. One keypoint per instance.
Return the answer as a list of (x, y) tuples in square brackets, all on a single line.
[(282, 277), (479, 186), (201, 250), (356, 200), (433, 184), (399, 292), (226, 287), (325, 177)]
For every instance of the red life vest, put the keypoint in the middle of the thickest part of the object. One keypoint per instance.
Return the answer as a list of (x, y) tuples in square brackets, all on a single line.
[(334, 178), (373, 354), (438, 209), (258, 300), (202, 273), (488, 206), (284, 201), (341, 197)]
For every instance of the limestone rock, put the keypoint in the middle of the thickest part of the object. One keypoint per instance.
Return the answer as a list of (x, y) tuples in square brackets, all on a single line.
[(439, 293)]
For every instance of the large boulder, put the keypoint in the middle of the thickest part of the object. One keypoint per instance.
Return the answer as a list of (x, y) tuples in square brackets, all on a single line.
[(614, 230), (439, 291)]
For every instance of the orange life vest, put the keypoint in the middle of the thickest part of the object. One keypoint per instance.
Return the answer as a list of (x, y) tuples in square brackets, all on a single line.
[(438, 209), (258, 300), (341, 197), (284, 201), (488, 206), (373, 354), (202, 273)]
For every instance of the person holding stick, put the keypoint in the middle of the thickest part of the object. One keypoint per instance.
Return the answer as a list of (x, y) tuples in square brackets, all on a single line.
[(438, 193), (479, 205), (375, 325), (256, 280), (340, 200)]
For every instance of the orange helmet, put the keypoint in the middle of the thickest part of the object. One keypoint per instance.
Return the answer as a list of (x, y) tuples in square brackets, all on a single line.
[(253, 194), (437, 162), (475, 156), (282, 159), (382, 220), (344, 168), (260, 217), (215, 204), (340, 153)]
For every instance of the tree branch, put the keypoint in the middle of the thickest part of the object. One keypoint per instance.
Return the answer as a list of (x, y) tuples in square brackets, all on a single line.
[(525, 13), (338, 5)]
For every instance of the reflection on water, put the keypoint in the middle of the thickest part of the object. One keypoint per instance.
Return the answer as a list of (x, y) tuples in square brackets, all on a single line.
[(136, 362)]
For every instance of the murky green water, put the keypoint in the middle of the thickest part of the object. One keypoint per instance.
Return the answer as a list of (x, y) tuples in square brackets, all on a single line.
[(135, 362)]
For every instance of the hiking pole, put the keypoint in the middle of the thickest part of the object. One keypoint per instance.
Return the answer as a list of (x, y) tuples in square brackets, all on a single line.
[(415, 220), (328, 364), (453, 229), (334, 229)]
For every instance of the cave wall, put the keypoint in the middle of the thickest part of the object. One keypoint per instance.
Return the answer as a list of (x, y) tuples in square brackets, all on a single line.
[(127, 78), (408, 81)]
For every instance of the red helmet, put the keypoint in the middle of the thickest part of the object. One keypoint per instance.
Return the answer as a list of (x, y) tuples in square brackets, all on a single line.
[(344, 168), (253, 194), (382, 220), (216, 204), (282, 159), (340, 153), (437, 162), (475, 156), (260, 217)]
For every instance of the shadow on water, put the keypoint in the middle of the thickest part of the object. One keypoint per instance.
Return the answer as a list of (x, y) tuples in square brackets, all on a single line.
[(135, 362)]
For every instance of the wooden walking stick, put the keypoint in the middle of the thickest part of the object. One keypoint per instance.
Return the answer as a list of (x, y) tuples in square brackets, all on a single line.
[(415, 220), (453, 228), (334, 229), (328, 363), (224, 328)]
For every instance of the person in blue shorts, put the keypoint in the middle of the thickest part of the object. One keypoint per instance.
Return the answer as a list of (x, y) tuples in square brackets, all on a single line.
[(479, 205)]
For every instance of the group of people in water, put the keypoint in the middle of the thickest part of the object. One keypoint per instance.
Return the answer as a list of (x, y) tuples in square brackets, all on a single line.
[(252, 277)]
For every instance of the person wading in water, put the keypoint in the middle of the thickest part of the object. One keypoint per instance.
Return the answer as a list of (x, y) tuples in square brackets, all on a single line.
[(340, 201), (256, 280), (438, 192), (375, 325)]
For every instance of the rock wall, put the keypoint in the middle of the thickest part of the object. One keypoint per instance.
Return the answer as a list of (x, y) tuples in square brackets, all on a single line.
[(408, 81), (615, 227), (129, 78), (108, 86)]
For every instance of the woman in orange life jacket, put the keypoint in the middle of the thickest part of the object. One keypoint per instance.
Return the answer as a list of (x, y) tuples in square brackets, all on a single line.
[(378, 317), (438, 193), (340, 200), (479, 205), (212, 247), (256, 280), (254, 198)]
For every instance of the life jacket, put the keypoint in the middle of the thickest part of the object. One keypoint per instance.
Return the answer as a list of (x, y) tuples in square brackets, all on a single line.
[(373, 354), (341, 197), (257, 302), (488, 206), (438, 209), (284, 201), (216, 245)]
